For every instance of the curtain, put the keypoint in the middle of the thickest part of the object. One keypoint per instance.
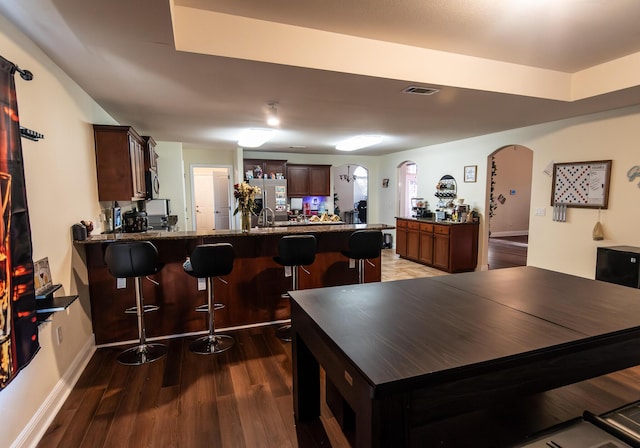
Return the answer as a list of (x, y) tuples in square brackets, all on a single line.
[(18, 323)]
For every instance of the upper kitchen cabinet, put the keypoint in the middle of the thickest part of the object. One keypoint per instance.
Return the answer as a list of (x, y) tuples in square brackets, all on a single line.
[(120, 163), (308, 180), (268, 167)]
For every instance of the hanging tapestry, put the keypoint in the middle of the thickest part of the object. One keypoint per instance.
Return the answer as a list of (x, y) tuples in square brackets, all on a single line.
[(18, 323)]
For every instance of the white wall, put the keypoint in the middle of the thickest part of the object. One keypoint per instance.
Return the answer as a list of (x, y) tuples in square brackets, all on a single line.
[(61, 190), (171, 177), (565, 247)]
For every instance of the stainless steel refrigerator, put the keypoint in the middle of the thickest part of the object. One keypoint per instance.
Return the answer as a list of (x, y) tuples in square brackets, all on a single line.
[(274, 196)]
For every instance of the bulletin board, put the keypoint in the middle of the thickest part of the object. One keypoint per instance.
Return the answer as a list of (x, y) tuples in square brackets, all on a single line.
[(581, 184)]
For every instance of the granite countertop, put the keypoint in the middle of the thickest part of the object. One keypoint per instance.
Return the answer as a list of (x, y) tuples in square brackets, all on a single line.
[(446, 222), (255, 232)]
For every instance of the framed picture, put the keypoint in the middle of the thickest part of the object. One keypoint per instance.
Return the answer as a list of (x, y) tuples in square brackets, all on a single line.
[(470, 172)]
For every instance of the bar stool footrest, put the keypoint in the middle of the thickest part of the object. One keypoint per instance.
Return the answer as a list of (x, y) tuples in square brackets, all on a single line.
[(284, 333), (145, 309), (205, 308)]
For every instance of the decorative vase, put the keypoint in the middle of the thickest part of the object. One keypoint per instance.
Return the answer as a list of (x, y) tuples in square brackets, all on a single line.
[(246, 221)]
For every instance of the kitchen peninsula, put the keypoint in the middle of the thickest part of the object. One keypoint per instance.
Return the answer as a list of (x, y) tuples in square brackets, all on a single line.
[(252, 294)]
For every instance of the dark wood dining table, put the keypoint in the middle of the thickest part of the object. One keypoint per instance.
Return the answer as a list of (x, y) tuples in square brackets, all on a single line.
[(406, 353)]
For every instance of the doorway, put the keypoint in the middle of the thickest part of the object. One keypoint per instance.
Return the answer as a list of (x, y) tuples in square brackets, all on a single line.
[(211, 196), (510, 177), (407, 186)]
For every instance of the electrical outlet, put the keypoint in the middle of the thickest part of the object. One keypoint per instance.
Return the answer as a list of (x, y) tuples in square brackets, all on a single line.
[(59, 335), (202, 284), (121, 283), (540, 211)]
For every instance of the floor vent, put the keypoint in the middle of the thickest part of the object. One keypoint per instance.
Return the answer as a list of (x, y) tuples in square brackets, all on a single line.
[(416, 90)]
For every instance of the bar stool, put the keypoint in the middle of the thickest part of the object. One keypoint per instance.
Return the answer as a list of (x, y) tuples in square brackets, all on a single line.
[(295, 251), (364, 245), (210, 261), (136, 260)]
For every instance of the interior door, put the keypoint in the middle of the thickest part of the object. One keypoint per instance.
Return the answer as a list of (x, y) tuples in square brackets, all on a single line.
[(222, 208), (204, 201)]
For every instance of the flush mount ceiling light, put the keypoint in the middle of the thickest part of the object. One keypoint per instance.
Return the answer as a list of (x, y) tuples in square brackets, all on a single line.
[(252, 138), (359, 142), (272, 114)]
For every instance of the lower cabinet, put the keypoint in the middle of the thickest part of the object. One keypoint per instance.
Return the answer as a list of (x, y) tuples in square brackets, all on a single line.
[(449, 247)]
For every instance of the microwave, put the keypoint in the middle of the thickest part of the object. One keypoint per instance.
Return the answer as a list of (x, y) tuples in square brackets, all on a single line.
[(152, 184)]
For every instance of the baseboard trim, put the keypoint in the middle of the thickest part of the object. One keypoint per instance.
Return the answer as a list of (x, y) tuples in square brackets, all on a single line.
[(39, 423), (510, 233)]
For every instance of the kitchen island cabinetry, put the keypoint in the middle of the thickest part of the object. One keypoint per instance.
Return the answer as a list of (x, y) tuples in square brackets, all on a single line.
[(120, 163), (308, 180), (252, 294), (451, 247)]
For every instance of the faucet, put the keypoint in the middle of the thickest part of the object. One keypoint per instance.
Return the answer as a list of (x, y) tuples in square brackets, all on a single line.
[(264, 218)]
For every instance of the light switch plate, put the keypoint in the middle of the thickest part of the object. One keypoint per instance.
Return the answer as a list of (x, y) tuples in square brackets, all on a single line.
[(541, 211), (202, 284), (352, 263), (121, 283)]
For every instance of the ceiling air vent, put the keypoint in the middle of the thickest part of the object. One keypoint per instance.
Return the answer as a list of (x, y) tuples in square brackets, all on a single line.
[(416, 90)]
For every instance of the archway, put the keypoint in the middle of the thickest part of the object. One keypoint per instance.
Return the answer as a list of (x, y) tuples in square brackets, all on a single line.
[(509, 206), (407, 187)]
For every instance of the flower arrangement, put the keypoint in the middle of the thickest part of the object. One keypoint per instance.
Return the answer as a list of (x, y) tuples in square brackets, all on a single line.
[(245, 196)]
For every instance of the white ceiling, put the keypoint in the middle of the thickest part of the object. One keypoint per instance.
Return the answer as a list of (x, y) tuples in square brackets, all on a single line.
[(200, 71)]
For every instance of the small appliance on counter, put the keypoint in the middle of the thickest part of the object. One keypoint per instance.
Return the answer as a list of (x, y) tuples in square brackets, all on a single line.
[(420, 208), (112, 217), (135, 221), (158, 213)]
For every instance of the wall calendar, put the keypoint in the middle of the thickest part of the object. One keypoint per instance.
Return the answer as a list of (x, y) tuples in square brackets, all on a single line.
[(581, 184)]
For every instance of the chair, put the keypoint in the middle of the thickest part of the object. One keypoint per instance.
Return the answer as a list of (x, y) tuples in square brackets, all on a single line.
[(136, 260), (364, 245), (295, 251), (210, 261)]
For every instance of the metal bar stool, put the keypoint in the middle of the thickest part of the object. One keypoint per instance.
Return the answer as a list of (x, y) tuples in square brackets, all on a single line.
[(210, 261), (136, 260), (295, 251), (364, 245)]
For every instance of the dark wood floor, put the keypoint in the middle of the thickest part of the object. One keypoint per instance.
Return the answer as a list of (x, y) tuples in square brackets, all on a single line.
[(243, 398), (507, 252)]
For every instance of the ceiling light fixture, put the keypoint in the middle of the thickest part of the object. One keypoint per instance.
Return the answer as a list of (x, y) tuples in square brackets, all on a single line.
[(272, 115), (359, 142), (252, 138)]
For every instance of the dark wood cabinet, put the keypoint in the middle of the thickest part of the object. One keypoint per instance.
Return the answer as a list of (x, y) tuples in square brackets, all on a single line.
[(401, 237), (449, 247), (441, 248), (120, 163), (308, 180), (413, 240), (426, 244), (267, 167)]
